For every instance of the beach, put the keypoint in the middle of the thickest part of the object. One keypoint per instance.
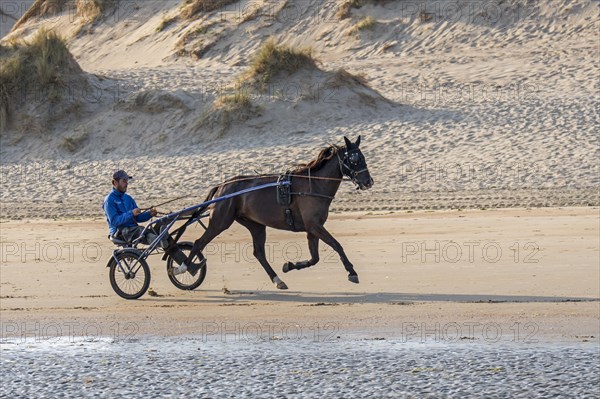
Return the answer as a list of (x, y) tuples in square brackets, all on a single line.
[(476, 248), (534, 268)]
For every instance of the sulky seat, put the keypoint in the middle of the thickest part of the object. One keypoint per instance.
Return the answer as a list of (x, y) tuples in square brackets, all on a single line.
[(118, 240)]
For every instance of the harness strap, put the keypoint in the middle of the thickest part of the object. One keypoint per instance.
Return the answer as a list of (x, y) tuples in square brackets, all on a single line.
[(284, 197), (312, 195), (289, 219)]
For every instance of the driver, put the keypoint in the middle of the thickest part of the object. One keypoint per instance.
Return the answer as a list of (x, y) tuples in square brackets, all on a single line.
[(123, 216)]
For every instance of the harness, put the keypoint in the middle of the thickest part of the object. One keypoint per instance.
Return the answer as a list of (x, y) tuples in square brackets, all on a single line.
[(285, 193), (354, 159)]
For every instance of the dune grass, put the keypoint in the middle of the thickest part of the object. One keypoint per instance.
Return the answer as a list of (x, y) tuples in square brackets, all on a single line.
[(92, 10), (233, 101), (367, 23), (192, 8), (165, 23), (41, 65), (343, 78), (41, 9), (273, 59), (227, 110), (88, 10), (73, 143), (345, 10)]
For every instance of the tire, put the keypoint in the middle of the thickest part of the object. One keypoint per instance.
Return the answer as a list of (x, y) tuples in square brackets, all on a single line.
[(186, 281), (129, 287)]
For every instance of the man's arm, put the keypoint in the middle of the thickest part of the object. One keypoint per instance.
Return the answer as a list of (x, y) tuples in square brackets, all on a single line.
[(142, 217)]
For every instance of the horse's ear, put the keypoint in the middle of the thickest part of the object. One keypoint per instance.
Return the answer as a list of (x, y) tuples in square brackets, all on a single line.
[(357, 142), (348, 143)]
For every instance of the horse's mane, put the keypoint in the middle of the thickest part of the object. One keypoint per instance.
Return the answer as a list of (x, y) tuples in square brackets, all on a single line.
[(325, 155)]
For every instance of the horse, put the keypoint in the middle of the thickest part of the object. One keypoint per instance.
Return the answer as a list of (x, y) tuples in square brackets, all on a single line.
[(313, 187)]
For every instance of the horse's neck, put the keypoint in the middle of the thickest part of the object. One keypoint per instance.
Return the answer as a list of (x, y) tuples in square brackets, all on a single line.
[(330, 170)]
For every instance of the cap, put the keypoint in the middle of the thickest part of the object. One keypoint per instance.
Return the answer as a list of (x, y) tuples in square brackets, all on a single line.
[(121, 174)]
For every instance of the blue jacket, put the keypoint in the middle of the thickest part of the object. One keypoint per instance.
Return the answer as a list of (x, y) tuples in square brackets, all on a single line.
[(118, 208)]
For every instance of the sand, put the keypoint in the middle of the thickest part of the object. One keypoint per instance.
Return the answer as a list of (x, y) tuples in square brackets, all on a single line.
[(492, 108), (535, 271)]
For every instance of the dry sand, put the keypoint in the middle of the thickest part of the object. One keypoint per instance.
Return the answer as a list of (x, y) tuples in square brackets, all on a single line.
[(423, 272)]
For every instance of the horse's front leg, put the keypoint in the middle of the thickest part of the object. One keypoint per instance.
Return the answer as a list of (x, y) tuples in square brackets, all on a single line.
[(321, 233), (313, 247)]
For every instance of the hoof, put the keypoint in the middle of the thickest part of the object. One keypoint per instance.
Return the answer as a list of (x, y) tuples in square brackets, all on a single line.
[(193, 268), (279, 284), (287, 267), (353, 278)]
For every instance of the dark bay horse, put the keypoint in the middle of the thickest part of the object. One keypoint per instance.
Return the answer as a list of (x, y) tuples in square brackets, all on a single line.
[(313, 188)]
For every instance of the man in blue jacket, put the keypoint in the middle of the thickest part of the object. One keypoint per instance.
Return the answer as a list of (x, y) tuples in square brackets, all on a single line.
[(123, 216)]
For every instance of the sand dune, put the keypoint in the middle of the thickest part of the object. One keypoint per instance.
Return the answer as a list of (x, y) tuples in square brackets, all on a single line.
[(478, 102)]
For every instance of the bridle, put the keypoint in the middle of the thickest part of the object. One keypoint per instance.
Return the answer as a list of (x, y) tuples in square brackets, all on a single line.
[(351, 158)]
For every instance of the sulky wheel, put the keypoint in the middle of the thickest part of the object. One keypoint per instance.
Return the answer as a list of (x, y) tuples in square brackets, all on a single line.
[(187, 280), (131, 280)]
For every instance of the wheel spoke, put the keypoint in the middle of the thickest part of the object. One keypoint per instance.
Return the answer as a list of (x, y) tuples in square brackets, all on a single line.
[(129, 284), (186, 281)]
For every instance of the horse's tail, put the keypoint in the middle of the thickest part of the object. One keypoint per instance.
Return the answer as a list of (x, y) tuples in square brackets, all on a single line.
[(210, 196), (211, 193)]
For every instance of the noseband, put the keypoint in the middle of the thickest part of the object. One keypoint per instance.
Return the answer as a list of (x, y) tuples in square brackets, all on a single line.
[(346, 169)]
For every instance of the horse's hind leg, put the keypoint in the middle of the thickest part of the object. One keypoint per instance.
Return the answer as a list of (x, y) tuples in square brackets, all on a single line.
[(259, 237), (214, 229), (321, 232), (313, 247)]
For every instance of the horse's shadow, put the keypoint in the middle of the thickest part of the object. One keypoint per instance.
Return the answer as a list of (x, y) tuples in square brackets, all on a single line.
[(390, 298)]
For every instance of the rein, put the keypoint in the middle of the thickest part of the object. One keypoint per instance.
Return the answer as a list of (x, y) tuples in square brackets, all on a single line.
[(163, 203), (351, 176)]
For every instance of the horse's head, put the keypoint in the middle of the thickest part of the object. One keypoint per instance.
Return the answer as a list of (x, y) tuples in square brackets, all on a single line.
[(353, 165)]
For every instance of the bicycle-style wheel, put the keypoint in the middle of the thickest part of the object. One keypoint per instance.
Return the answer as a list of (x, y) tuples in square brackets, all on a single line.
[(186, 281), (132, 279)]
